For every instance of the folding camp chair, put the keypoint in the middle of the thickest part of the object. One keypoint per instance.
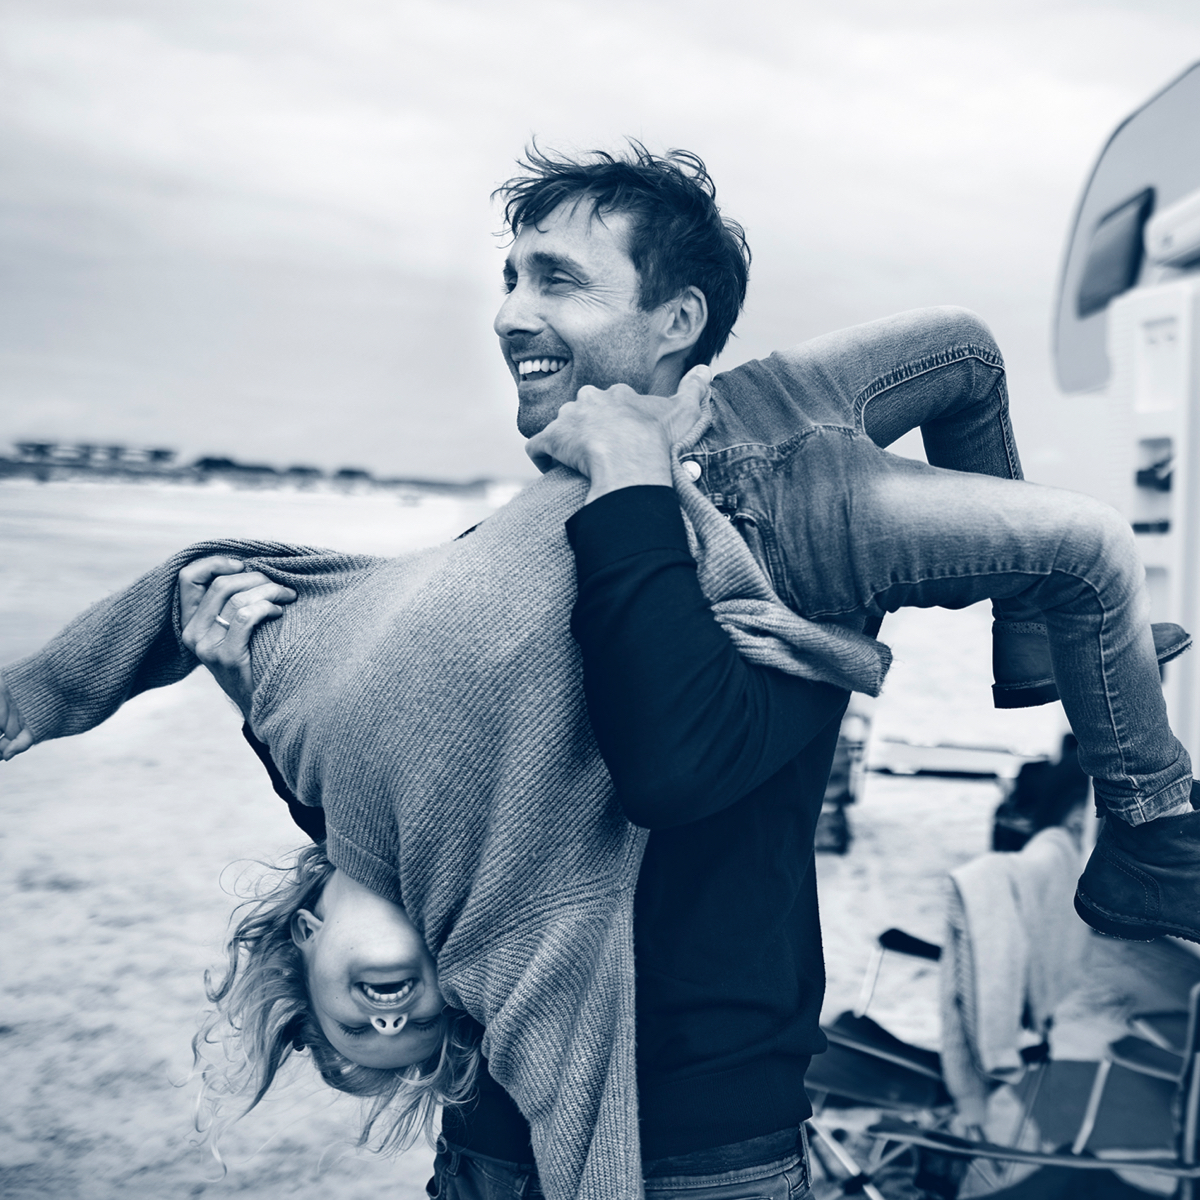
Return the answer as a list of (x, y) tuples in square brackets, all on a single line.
[(1139, 1111), (1166, 1030), (867, 1066), (1170, 971)]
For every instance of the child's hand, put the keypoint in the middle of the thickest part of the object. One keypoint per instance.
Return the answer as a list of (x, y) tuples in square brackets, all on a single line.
[(220, 604), (14, 737)]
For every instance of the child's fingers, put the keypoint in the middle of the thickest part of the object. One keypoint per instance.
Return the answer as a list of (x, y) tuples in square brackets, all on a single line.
[(234, 645), (276, 593), (225, 651)]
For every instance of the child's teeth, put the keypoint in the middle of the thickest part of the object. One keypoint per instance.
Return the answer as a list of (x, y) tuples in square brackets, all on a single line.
[(389, 997)]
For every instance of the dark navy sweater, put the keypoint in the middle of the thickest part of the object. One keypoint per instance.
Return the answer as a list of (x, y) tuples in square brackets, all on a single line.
[(726, 764)]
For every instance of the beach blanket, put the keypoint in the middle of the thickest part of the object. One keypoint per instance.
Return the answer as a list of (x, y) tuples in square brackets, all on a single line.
[(1014, 949)]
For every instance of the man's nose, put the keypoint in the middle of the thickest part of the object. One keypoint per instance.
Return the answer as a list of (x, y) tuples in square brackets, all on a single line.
[(518, 314), (390, 1025)]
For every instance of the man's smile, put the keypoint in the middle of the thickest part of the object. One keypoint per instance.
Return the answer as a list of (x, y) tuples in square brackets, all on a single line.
[(530, 369)]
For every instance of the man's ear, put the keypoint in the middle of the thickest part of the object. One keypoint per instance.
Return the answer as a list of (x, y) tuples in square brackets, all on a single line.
[(683, 321), (304, 925)]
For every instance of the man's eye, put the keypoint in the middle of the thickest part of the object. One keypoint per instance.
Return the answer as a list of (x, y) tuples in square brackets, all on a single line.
[(560, 281)]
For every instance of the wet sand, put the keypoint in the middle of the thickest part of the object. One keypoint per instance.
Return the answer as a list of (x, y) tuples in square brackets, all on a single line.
[(114, 846)]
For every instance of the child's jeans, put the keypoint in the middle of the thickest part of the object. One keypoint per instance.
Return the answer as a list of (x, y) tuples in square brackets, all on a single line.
[(847, 531)]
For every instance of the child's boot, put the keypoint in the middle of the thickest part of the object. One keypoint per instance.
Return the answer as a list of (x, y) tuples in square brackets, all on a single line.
[(1143, 881), (1021, 660)]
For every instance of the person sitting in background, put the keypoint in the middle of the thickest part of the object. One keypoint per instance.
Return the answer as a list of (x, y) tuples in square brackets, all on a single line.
[(1044, 794)]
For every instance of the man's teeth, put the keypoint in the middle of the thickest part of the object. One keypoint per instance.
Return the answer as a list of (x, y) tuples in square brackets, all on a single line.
[(543, 366), (388, 993)]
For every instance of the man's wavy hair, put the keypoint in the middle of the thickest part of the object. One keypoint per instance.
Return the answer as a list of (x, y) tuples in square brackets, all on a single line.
[(678, 238), (263, 1015)]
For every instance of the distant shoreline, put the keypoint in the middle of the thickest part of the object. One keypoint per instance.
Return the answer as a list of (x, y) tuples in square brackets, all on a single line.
[(236, 476)]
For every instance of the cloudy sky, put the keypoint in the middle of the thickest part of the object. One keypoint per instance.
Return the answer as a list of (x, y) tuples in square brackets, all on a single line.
[(263, 227)]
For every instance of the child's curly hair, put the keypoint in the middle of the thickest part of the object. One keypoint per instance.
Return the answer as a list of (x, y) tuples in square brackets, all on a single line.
[(263, 1014)]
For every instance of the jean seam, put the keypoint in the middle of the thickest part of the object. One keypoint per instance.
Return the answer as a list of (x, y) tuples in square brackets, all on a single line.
[(1010, 441), (858, 606), (937, 362), (770, 454), (1108, 699), (924, 366), (773, 567)]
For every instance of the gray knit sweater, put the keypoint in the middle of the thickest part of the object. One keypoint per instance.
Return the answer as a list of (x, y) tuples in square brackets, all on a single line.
[(433, 706)]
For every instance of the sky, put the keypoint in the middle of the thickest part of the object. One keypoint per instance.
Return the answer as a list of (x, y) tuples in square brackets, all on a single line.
[(263, 228)]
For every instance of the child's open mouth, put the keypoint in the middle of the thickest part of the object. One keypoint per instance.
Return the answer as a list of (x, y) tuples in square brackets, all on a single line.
[(388, 993)]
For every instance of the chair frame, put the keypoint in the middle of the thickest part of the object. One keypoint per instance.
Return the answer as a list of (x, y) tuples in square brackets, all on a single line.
[(1182, 1165)]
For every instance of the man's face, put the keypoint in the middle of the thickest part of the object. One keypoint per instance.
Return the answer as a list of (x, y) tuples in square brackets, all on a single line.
[(571, 315)]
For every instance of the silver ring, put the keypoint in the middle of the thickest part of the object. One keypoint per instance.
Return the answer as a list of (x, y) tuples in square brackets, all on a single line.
[(220, 620)]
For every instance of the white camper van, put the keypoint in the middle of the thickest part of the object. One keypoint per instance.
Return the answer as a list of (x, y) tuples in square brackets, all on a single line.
[(1127, 329)]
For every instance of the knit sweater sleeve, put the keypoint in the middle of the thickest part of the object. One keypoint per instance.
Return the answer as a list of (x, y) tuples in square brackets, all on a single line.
[(123, 645), (686, 725)]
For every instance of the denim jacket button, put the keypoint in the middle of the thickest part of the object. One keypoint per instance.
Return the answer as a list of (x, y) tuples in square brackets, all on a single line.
[(691, 468)]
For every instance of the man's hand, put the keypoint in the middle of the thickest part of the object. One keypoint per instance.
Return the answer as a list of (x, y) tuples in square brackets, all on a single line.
[(220, 604), (618, 438), (14, 737)]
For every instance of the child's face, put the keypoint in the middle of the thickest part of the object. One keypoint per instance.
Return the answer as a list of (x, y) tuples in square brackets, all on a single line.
[(371, 978)]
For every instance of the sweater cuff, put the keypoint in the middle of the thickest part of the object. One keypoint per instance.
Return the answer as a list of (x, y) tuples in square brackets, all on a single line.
[(629, 521)]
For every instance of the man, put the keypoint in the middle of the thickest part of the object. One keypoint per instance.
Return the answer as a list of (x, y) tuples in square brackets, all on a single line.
[(730, 977), (622, 276)]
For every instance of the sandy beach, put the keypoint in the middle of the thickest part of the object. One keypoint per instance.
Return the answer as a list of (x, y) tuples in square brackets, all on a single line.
[(117, 847)]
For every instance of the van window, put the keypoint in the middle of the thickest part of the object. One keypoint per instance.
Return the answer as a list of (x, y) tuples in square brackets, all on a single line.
[(1115, 255)]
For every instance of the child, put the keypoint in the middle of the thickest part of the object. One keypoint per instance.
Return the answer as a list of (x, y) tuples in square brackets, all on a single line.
[(849, 532), (431, 705)]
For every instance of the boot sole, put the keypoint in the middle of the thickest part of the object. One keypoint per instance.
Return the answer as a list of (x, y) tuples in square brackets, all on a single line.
[(1170, 653), (1028, 695), (1128, 929)]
